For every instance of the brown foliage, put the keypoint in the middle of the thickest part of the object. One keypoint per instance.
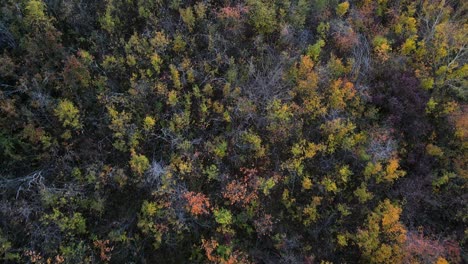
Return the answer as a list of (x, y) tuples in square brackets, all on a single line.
[(103, 246)]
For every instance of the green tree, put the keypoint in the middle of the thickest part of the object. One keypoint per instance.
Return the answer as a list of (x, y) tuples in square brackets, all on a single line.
[(263, 16)]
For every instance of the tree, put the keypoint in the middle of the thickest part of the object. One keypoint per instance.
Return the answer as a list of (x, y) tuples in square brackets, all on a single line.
[(262, 16), (139, 163), (198, 203), (383, 237), (68, 114), (342, 8)]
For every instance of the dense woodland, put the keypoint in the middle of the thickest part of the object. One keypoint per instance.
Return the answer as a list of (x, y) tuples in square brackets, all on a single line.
[(257, 131)]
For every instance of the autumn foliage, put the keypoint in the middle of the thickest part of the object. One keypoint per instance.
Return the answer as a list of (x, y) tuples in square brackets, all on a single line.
[(247, 131)]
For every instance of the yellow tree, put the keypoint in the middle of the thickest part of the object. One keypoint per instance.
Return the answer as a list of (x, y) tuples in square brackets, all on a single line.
[(382, 239)]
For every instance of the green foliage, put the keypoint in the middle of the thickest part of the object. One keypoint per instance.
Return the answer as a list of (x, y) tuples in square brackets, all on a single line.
[(262, 16), (254, 143), (310, 212), (221, 149), (107, 20), (149, 212), (298, 17), (314, 50), (363, 194), (188, 17), (443, 180), (5, 250), (179, 44), (211, 172), (72, 225), (119, 124), (340, 134), (223, 216), (200, 10), (267, 185), (35, 12)]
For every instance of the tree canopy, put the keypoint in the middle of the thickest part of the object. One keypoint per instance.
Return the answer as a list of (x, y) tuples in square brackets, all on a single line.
[(257, 131)]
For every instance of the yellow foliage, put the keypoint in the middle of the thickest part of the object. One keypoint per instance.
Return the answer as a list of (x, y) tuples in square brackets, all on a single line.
[(383, 238), (441, 260), (172, 98), (156, 61), (342, 8), (409, 46), (306, 183), (307, 77), (68, 114), (175, 77), (139, 163), (148, 123), (392, 172), (159, 40), (434, 150), (310, 212), (341, 240), (340, 93), (381, 47)]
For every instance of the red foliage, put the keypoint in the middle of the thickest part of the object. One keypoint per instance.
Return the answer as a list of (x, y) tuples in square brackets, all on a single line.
[(242, 191), (232, 12), (452, 251), (345, 39), (421, 248), (75, 72), (264, 225)]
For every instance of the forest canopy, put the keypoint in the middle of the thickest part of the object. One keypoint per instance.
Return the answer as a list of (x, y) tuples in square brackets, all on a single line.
[(256, 131)]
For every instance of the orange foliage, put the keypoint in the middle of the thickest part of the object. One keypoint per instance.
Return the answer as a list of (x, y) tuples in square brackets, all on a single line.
[(198, 203), (307, 77), (460, 120), (341, 91), (210, 246)]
